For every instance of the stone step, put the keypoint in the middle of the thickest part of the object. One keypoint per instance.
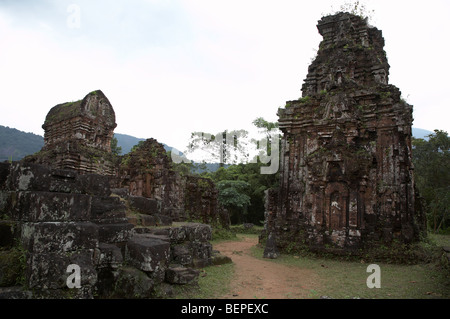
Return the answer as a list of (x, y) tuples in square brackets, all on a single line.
[(143, 205), (36, 177), (110, 256), (107, 208), (147, 253), (181, 275), (34, 206), (115, 232), (62, 237)]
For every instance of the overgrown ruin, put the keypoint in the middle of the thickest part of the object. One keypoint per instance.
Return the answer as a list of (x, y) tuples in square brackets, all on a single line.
[(147, 172), (136, 227), (130, 223), (78, 136), (346, 178)]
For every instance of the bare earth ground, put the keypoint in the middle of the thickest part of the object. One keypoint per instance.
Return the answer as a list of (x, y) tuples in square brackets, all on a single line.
[(255, 278)]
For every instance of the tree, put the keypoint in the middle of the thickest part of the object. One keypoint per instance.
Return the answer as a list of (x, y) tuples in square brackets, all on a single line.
[(232, 196), (270, 131), (357, 8), (261, 123), (227, 147), (251, 174), (116, 150), (432, 174)]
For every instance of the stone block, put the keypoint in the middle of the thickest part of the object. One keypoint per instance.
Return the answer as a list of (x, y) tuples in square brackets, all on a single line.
[(176, 214), (63, 181), (8, 233), (115, 233), (181, 254), (201, 253), (163, 220), (108, 209), (271, 250), (132, 283), (60, 237), (109, 256), (198, 232), (147, 253), (144, 205), (29, 177), (36, 177), (121, 192), (48, 206), (219, 259), (49, 270), (177, 234), (4, 173), (16, 292), (148, 220), (10, 267), (95, 184), (181, 275), (6, 202)]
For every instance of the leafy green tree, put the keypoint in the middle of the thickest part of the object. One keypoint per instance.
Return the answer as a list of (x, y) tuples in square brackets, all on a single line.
[(250, 174), (227, 147), (267, 126), (432, 174), (115, 149), (233, 196)]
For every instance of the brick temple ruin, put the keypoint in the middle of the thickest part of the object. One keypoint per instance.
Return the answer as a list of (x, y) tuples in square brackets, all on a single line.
[(77, 135), (346, 179), (131, 223)]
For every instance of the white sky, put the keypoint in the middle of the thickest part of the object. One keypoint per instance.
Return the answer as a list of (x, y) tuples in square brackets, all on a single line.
[(170, 68)]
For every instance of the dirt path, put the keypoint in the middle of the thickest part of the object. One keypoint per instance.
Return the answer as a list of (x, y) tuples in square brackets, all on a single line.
[(255, 278)]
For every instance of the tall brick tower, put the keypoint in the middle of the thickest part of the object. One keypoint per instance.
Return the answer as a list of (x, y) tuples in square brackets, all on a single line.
[(346, 172)]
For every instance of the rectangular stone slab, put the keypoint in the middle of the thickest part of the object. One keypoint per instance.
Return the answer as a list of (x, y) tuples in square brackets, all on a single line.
[(147, 253)]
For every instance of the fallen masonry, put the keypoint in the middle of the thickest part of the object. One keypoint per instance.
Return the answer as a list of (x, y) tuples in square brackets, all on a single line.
[(53, 218), (121, 223)]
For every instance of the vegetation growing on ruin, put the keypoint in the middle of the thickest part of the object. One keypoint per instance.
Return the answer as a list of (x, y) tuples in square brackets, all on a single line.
[(432, 174)]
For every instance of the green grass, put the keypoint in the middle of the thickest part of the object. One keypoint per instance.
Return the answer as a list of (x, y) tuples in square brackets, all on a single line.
[(213, 282), (439, 240), (347, 279), (339, 279)]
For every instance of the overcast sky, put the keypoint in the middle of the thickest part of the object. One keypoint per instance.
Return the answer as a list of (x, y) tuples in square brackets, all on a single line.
[(173, 67)]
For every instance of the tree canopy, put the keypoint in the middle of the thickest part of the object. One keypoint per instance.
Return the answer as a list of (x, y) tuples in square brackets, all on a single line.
[(432, 174)]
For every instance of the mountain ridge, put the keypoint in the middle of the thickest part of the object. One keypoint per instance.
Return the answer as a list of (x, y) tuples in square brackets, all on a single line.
[(16, 144)]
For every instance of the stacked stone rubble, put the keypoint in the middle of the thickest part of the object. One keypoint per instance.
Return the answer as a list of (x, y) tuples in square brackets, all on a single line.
[(346, 172), (58, 218), (58, 209)]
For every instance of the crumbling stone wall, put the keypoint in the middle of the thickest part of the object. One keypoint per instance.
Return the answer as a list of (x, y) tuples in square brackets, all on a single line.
[(52, 218), (147, 172), (78, 136), (201, 200), (57, 208), (346, 172)]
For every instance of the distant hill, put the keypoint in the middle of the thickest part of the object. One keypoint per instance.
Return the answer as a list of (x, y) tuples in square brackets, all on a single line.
[(126, 142), (15, 144), (421, 133)]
